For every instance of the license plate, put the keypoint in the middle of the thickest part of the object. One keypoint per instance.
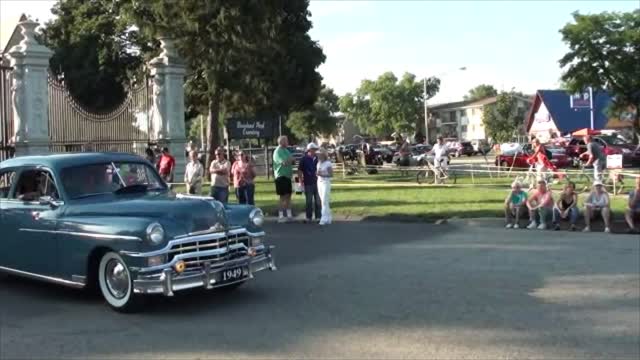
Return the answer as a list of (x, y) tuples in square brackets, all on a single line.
[(234, 274)]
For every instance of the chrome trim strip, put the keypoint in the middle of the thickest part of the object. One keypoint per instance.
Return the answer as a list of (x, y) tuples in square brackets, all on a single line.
[(185, 240), (256, 234), (50, 279), (92, 235)]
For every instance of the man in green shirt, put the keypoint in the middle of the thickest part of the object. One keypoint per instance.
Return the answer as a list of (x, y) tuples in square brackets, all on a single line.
[(283, 171)]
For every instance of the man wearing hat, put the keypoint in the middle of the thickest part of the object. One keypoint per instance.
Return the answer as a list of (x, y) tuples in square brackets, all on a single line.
[(309, 182)]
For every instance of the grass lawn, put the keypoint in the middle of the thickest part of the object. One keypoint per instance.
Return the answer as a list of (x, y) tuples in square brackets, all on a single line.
[(400, 197)]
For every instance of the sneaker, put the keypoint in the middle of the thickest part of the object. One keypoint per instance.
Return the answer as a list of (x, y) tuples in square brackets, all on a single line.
[(542, 226), (509, 226), (607, 230), (556, 227), (573, 228), (532, 226), (632, 231), (516, 226), (587, 229), (282, 220)]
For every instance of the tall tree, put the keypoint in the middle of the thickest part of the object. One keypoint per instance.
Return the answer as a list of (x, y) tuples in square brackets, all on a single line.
[(319, 120), (503, 118), (96, 50), (481, 92), (604, 53), (388, 104), (244, 55)]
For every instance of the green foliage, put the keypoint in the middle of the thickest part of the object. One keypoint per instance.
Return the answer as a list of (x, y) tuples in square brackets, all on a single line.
[(604, 53), (503, 118), (96, 49), (481, 92), (319, 120), (243, 56), (388, 104)]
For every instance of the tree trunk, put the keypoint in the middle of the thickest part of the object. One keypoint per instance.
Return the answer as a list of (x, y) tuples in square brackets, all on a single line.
[(213, 127), (636, 126)]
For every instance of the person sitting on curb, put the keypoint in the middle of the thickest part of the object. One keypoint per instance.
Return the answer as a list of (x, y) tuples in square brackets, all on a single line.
[(514, 205), (540, 204), (633, 209), (566, 207), (597, 202)]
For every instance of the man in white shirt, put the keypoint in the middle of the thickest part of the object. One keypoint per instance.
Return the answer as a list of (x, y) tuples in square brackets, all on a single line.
[(440, 151)]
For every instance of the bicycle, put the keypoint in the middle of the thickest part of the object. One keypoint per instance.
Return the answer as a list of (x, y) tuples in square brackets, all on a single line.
[(530, 179), (435, 174), (612, 181)]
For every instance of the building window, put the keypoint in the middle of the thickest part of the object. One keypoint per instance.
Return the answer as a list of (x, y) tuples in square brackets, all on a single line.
[(463, 128)]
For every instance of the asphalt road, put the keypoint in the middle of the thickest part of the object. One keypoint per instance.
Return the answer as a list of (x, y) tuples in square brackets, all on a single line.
[(367, 290)]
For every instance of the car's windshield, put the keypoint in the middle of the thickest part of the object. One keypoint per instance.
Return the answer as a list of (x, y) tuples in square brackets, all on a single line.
[(613, 140), (96, 179)]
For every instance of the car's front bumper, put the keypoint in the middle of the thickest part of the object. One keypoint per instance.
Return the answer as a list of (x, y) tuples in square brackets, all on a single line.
[(168, 280)]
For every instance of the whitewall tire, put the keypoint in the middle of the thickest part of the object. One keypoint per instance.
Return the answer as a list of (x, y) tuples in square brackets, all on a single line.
[(116, 283)]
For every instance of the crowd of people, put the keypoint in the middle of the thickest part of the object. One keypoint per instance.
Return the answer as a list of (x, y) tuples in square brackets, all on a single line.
[(314, 172), (546, 212)]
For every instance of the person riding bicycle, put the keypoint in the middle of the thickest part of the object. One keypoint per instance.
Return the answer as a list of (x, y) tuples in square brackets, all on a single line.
[(595, 156), (440, 151), (541, 158)]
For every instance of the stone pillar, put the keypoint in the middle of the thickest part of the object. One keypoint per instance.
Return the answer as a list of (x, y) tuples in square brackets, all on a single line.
[(168, 129), (30, 92)]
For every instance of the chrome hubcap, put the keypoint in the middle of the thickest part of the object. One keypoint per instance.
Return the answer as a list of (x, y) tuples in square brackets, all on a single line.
[(117, 279)]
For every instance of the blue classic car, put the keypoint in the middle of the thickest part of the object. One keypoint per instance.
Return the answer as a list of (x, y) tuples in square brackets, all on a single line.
[(109, 222)]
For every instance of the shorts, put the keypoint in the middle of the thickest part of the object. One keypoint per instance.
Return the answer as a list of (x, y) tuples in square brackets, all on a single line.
[(283, 186)]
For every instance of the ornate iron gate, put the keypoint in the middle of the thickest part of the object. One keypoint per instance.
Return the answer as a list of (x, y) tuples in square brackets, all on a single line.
[(6, 114), (72, 128)]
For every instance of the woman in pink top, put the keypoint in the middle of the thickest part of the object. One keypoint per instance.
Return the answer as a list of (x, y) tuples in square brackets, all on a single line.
[(243, 173), (540, 204)]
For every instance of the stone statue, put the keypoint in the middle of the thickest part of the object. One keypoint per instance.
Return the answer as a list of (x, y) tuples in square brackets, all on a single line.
[(159, 92), (17, 100)]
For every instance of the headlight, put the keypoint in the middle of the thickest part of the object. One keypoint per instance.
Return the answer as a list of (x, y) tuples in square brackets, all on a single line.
[(256, 217), (155, 233)]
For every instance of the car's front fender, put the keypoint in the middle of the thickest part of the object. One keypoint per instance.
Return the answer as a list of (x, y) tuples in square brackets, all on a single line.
[(79, 236)]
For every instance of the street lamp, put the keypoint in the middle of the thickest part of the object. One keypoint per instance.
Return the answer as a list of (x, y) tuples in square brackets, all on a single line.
[(426, 106)]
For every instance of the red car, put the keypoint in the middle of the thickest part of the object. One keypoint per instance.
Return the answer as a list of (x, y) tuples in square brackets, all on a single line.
[(611, 144), (559, 158)]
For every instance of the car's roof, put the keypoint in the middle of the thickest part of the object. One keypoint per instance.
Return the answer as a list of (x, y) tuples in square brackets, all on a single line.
[(60, 161)]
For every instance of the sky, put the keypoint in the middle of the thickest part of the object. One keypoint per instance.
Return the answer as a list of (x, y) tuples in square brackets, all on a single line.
[(508, 44)]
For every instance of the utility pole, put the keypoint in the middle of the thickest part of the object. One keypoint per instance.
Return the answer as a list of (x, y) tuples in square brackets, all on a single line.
[(591, 106), (426, 114)]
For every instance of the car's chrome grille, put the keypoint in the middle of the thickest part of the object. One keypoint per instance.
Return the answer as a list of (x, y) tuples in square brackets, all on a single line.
[(229, 242)]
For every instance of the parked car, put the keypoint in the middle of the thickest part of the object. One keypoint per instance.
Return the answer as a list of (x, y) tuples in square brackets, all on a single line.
[(462, 148), (296, 152), (384, 152), (109, 222), (419, 154), (519, 158), (481, 147), (611, 144)]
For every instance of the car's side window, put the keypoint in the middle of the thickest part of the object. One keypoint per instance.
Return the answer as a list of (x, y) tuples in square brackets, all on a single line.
[(34, 184), (6, 181)]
